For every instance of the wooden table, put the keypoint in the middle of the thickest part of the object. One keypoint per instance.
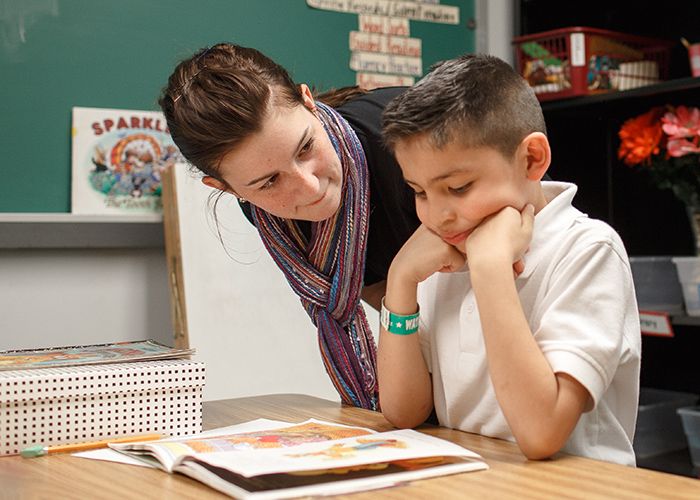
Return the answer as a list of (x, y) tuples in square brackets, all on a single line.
[(510, 474)]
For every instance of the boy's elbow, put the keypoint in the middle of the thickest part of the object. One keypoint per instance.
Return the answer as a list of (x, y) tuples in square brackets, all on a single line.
[(545, 437), (403, 421), (540, 447), (405, 418), (538, 452)]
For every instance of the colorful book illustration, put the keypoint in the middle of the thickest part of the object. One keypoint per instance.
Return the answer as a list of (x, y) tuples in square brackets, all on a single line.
[(118, 352), (117, 158), (273, 460)]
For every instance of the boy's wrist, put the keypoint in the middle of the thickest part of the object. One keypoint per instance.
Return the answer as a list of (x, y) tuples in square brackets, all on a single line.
[(400, 278), (401, 294), (488, 262), (398, 324), (489, 269)]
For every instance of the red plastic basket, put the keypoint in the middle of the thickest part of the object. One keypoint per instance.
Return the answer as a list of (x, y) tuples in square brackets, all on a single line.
[(578, 61)]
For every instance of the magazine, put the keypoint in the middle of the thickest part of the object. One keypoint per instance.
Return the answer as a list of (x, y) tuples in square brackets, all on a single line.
[(118, 352), (270, 459), (117, 158)]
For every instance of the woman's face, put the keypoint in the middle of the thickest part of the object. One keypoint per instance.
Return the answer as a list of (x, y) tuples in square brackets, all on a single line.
[(289, 168)]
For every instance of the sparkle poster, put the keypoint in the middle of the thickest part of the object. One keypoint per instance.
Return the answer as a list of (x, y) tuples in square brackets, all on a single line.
[(117, 159)]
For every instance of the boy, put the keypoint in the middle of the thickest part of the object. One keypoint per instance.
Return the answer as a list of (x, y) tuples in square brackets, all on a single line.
[(529, 328)]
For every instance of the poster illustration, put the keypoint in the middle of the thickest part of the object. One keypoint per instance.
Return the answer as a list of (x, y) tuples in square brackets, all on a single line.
[(117, 159)]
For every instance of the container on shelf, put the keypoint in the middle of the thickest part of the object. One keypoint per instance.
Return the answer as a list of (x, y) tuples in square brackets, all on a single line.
[(689, 276), (690, 416), (694, 59), (659, 427), (577, 61), (656, 284)]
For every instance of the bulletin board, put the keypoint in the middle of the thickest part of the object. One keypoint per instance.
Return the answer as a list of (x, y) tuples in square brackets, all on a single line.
[(57, 54)]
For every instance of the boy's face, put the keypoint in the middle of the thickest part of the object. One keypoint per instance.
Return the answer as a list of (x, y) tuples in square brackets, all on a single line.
[(457, 187)]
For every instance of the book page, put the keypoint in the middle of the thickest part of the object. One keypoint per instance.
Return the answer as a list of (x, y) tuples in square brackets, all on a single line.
[(147, 457), (109, 455), (255, 435), (347, 452)]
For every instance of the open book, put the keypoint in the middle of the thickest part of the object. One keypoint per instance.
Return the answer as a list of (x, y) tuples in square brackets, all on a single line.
[(272, 459)]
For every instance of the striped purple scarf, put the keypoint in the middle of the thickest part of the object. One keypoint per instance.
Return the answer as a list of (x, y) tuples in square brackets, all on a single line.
[(327, 271)]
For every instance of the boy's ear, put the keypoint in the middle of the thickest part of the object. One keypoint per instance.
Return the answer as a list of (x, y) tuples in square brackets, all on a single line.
[(215, 184), (538, 155)]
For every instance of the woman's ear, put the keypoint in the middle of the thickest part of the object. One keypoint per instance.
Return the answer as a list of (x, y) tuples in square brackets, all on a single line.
[(538, 155), (216, 184), (308, 97)]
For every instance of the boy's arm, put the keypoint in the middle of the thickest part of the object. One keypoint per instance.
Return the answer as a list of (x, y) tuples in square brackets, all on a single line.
[(405, 387), (541, 407)]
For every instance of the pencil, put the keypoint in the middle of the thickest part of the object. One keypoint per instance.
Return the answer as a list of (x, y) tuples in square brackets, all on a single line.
[(39, 450)]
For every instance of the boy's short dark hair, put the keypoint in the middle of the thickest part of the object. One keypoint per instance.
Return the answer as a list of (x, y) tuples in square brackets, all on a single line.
[(477, 100)]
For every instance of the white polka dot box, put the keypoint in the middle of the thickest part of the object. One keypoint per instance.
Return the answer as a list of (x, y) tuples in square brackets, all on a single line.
[(53, 406)]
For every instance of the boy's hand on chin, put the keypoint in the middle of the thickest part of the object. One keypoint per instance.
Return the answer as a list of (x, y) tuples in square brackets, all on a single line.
[(504, 236), (425, 254)]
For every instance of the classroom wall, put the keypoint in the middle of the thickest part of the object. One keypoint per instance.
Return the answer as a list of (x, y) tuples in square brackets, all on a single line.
[(77, 296), (51, 297), (495, 28)]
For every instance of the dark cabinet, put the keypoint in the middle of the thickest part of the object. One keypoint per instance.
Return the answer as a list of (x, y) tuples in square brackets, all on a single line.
[(583, 134)]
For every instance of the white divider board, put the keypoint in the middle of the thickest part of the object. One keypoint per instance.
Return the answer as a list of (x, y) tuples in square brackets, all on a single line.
[(243, 319)]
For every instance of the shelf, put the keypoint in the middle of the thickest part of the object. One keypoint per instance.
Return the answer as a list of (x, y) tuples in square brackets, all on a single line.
[(677, 319), (674, 462), (666, 87), (63, 230), (683, 320), (77, 218)]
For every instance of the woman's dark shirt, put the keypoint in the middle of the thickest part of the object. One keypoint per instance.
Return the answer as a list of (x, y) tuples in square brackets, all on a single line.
[(392, 206)]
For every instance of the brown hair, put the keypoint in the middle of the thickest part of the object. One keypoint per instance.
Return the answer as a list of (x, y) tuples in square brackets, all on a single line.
[(219, 96), (478, 100)]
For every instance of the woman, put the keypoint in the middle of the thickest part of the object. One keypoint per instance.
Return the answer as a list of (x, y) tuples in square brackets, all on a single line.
[(313, 176)]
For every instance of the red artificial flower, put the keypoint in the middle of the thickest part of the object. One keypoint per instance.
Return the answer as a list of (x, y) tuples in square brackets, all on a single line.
[(667, 142), (640, 137)]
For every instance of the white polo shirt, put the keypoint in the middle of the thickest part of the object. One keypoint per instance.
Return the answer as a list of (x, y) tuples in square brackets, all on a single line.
[(578, 294)]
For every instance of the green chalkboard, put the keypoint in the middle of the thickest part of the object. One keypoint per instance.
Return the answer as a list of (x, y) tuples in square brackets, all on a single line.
[(56, 54)]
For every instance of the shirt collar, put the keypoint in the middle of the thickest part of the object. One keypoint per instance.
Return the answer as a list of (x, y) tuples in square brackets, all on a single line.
[(551, 222)]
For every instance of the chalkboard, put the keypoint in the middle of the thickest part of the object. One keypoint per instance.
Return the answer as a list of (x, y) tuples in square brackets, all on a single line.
[(58, 54)]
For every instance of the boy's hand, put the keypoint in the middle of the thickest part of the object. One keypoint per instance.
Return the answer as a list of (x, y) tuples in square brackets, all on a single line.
[(502, 239), (423, 255)]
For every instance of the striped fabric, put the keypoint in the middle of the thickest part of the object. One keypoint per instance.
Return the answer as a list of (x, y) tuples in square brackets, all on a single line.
[(327, 271)]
